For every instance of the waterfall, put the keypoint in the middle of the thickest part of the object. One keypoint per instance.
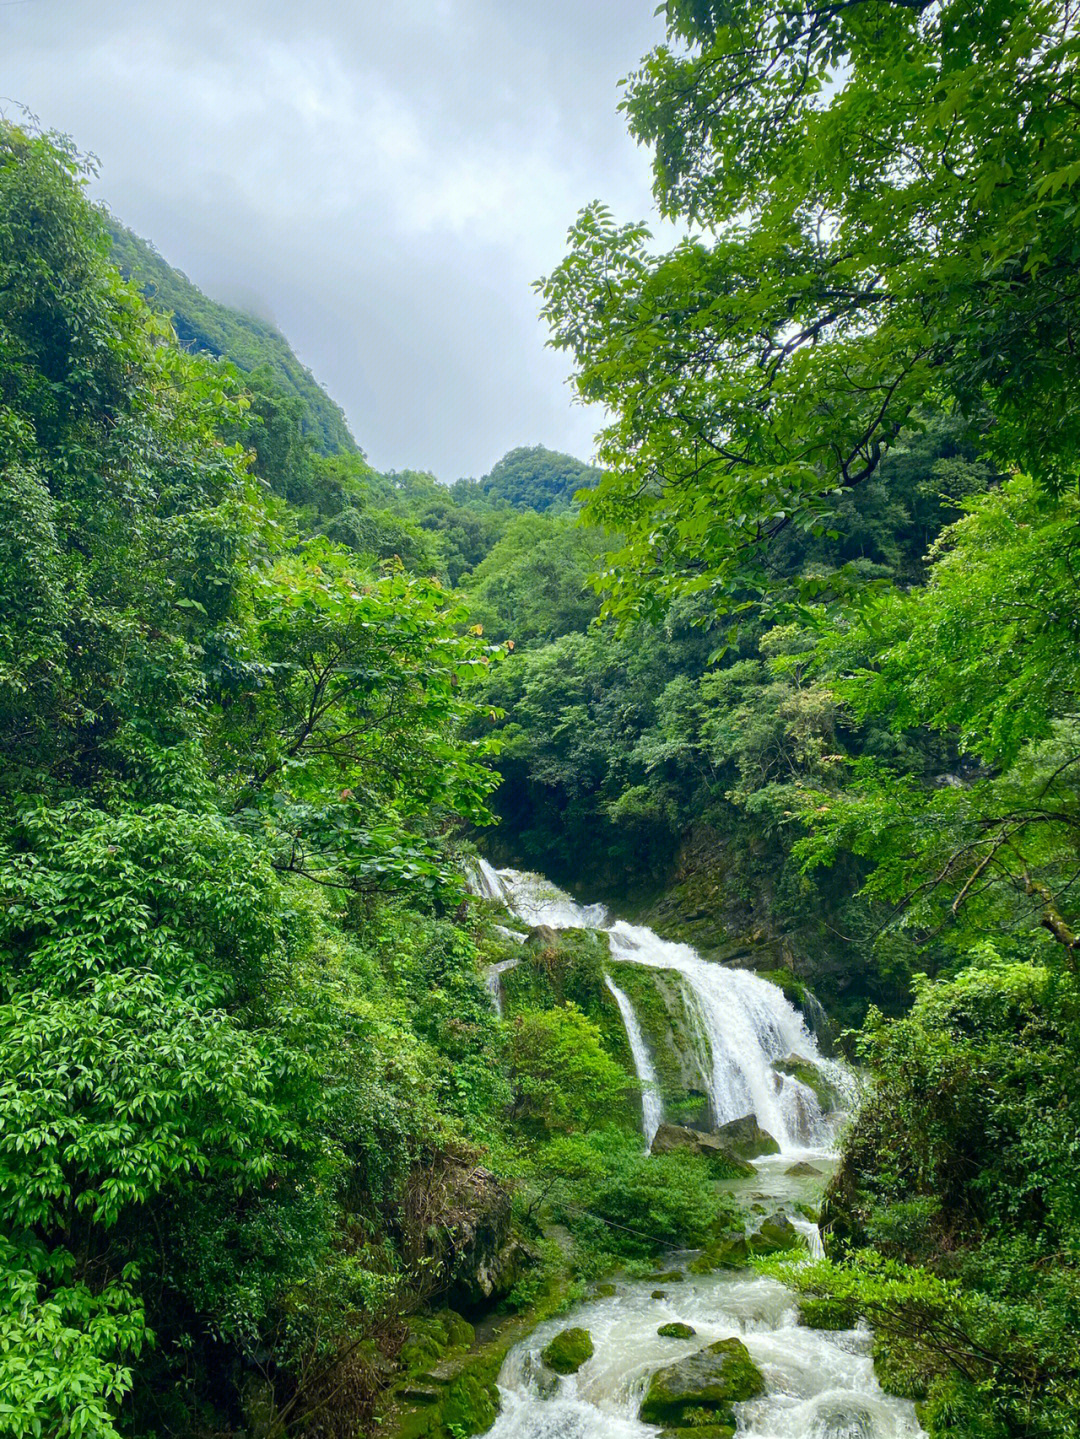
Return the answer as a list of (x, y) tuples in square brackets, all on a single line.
[(748, 1023), (493, 979), (483, 880), (652, 1105)]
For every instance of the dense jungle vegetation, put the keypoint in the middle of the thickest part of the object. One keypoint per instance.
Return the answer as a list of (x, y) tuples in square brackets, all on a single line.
[(794, 676)]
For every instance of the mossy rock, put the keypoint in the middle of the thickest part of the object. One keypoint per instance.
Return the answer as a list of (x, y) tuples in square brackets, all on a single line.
[(801, 1170), (732, 1251), (701, 1389), (658, 1294), (669, 1276), (745, 1139), (568, 1351), (807, 1072), (701, 1431), (676, 1331), (471, 1406), (827, 1314), (775, 1235), (604, 1291), (432, 1337), (904, 1368)]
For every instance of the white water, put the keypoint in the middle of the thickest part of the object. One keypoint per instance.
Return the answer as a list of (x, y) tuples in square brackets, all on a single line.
[(819, 1385), (493, 979), (652, 1105), (746, 1023)]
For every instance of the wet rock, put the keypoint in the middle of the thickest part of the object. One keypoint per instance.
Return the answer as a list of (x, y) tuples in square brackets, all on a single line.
[(797, 1066), (801, 1169), (658, 1294), (701, 1431), (604, 1291), (774, 1235), (542, 936), (676, 1331), (842, 1420), (699, 1391), (568, 1351), (745, 1138), (669, 1276), (723, 1155), (731, 1251)]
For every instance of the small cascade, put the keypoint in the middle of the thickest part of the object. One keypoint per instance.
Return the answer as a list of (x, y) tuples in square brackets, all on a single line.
[(652, 1105), (745, 1023), (493, 979), (483, 880)]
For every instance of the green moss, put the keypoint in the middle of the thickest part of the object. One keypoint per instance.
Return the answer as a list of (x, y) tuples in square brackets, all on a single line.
[(904, 1368), (568, 1351), (472, 1405), (701, 1431), (702, 1388), (659, 1000), (676, 1331)]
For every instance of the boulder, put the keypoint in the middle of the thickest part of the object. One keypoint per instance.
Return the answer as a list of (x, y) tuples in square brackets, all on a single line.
[(701, 1431), (542, 936), (568, 1351), (671, 1137), (676, 1331), (699, 1391), (745, 1138), (774, 1235), (730, 1251), (800, 1169)]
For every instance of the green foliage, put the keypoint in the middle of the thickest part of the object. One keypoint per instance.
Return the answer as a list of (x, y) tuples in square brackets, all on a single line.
[(537, 479), (824, 296), (204, 327), (564, 1080)]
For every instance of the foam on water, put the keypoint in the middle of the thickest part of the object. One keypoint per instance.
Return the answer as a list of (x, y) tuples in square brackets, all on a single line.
[(744, 1023)]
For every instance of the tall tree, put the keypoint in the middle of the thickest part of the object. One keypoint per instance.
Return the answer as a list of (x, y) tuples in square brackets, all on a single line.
[(882, 206)]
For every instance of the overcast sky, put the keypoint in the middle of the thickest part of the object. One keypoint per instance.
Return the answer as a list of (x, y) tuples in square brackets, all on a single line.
[(383, 180)]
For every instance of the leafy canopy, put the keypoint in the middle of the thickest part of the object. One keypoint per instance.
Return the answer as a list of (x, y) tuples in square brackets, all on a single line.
[(882, 208)]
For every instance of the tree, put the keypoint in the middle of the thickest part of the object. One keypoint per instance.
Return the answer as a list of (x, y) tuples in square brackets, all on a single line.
[(882, 206)]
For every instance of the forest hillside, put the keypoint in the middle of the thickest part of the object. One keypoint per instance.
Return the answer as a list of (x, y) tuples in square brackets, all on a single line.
[(322, 1111)]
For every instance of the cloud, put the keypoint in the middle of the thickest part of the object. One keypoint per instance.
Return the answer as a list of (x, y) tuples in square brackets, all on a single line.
[(387, 181)]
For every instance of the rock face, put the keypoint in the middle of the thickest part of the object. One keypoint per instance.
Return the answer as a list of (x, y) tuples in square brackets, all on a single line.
[(670, 1137), (468, 1211), (806, 1072), (746, 1139), (568, 1351), (700, 1390)]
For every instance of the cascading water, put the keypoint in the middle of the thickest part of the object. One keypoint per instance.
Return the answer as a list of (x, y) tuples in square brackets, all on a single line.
[(493, 979), (652, 1105), (748, 1024), (818, 1384)]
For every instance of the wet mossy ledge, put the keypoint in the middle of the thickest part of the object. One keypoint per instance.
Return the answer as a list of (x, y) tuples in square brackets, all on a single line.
[(446, 1388)]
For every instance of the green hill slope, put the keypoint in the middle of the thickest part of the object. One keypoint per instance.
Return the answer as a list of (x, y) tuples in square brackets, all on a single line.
[(251, 343)]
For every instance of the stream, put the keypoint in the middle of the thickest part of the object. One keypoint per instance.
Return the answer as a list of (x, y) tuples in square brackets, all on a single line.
[(819, 1384)]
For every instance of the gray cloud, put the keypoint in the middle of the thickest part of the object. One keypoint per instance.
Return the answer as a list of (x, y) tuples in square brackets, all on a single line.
[(384, 180)]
